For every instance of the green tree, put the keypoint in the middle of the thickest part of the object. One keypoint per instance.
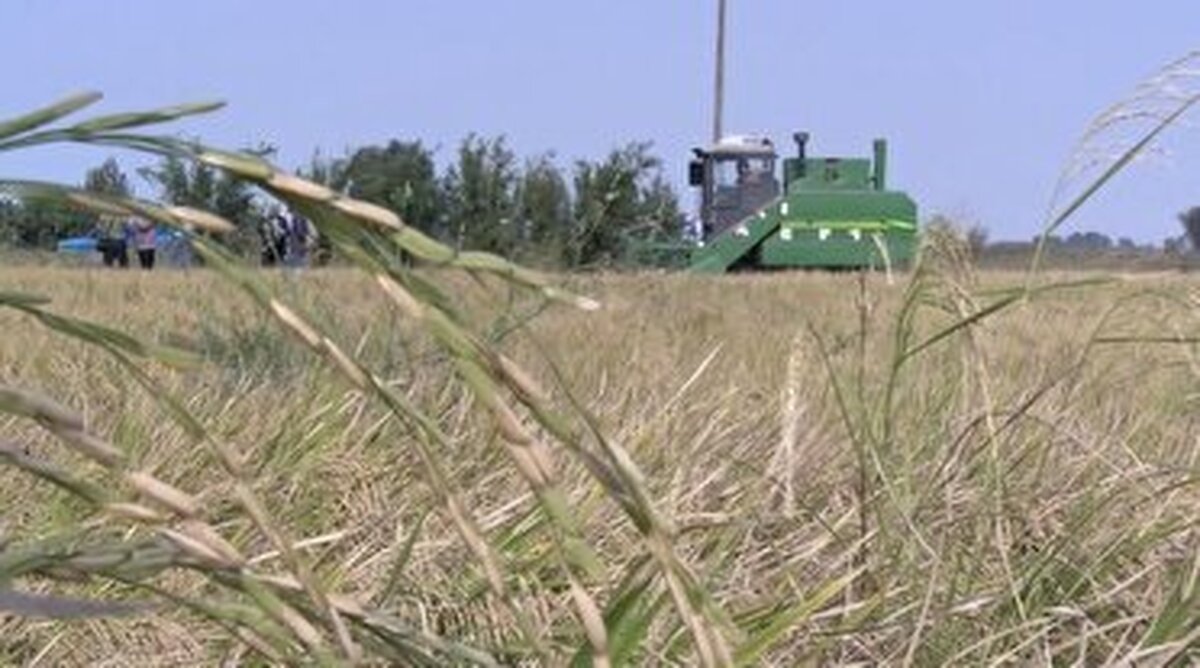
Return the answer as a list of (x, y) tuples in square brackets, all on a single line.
[(197, 185), (108, 179), (481, 197), (400, 176), (10, 211), (1190, 220), (625, 194), (544, 212), (326, 171), (39, 224)]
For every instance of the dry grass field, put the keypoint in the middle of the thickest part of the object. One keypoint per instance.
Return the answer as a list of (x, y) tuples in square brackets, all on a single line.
[(943, 471), (468, 463)]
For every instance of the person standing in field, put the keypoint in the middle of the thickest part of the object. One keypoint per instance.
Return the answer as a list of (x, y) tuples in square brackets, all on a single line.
[(144, 239), (273, 234), (112, 240), (298, 238)]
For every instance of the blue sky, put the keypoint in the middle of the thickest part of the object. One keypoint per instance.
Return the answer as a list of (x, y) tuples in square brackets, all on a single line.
[(982, 100)]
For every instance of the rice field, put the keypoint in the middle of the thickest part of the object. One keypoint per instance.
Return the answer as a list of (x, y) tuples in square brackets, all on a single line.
[(943, 468)]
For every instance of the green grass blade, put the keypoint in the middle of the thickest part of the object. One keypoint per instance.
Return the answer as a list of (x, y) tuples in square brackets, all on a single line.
[(17, 457), (1115, 168), (58, 607), (961, 324), (789, 618), (136, 119), (105, 336), (628, 617), (22, 299), (401, 560), (35, 119)]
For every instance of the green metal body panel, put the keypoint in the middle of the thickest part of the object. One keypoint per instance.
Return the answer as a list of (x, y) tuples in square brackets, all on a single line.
[(826, 230), (825, 245), (834, 213), (828, 174), (841, 227), (725, 250)]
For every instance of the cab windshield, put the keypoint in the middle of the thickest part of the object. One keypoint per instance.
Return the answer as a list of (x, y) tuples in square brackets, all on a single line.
[(731, 171)]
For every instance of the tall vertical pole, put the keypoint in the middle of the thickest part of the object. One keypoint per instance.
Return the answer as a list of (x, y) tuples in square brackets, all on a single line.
[(719, 93)]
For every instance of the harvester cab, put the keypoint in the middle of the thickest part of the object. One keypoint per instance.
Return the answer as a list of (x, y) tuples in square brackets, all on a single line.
[(736, 178)]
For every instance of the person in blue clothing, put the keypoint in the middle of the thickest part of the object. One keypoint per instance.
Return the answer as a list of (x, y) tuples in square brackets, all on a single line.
[(273, 235), (298, 237), (112, 240), (178, 249)]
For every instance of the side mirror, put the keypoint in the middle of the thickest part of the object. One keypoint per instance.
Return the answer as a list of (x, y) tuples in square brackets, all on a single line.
[(696, 173)]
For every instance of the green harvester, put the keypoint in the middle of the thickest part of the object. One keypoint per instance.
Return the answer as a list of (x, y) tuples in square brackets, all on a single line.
[(829, 212)]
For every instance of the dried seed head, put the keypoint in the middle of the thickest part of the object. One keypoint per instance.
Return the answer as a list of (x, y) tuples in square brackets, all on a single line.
[(39, 407), (102, 560), (369, 213), (578, 301), (486, 262), (521, 381), (241, 164), (489, 393), (201, 219), (509, 424), (402, 298), (97, 205), (287, 582), (589, 615), (344, 604), (348, 605), (208, 536), (423, 246), (305, 631), (296, 324), (91, 447), (348, 367), (586, 303), (528, 467), (294, 185), (542, 457), (196, 549), (136, 512), (169, 497)]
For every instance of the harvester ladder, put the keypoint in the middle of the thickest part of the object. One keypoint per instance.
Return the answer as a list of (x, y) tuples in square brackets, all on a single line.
[(724, 250)]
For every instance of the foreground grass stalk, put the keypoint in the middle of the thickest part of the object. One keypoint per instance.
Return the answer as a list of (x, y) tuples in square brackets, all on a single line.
[(625, 482), (310, 195), (427, 433), (524, 451), (225, 455), (711, 647), (195, 538)]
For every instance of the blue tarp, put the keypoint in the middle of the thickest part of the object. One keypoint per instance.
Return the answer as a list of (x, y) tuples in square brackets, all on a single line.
[(162, 238), (77, 245)]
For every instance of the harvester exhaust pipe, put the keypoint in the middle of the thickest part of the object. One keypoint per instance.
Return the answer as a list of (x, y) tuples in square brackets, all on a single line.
[(801, 139), (880, 164)]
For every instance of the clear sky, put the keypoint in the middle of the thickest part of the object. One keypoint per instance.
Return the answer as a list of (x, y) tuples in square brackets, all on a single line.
[(982, 100)]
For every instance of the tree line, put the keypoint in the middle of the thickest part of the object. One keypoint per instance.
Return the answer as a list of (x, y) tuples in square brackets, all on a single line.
[(976, 238), (487, 198)]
